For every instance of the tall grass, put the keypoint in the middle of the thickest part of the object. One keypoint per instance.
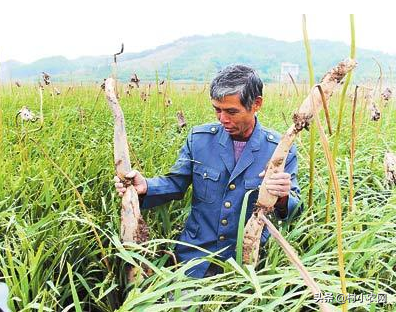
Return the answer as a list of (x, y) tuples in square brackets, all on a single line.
[(49, 256)]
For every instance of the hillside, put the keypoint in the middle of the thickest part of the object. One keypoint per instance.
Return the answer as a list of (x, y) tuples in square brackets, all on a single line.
[(197, 58)]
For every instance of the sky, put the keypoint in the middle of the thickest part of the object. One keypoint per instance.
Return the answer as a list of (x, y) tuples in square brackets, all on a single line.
[(30, 30)]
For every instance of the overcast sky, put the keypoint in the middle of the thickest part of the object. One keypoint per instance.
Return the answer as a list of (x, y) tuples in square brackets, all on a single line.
[(30, 30)]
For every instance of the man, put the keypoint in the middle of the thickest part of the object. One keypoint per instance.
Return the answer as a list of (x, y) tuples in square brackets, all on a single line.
[(223, 161)]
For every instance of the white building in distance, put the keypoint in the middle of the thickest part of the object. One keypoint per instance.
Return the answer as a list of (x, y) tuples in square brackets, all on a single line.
[(287, 68)]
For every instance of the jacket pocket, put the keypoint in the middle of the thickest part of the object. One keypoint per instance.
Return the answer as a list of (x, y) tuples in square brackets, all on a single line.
[(192, 226), (251, 184), (206, 183)]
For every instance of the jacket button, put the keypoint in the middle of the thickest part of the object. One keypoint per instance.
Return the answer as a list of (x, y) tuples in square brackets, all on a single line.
[(270, 137), (227, 204), (205, 174), (224, 222), (232, 187), (213, 129), (221, 237)]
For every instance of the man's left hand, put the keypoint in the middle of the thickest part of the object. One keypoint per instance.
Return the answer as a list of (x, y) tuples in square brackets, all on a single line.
[(278, 184)]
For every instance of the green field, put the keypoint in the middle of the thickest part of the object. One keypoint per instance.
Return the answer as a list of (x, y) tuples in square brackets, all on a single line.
[(51, 260)]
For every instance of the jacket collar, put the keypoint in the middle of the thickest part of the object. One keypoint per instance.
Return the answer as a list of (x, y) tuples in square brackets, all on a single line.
[(246, 158), (254, 140)]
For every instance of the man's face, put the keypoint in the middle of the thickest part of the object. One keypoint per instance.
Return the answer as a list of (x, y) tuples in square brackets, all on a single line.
[(235, 118)]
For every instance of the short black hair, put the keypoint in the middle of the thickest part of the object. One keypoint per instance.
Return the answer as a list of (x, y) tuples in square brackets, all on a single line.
[(237, 79)]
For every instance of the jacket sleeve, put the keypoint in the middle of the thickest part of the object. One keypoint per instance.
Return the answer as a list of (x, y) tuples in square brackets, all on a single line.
[(294, 205), (173, 185)]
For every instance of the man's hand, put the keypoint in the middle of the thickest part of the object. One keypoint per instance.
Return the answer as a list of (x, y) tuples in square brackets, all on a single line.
[(279, 184), (138, 181)]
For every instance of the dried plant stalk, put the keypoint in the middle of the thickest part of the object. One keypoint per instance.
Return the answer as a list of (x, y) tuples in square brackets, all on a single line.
[(301, 119), (375, 112), (265, 203), (118, 53), (390, 168), (134, 80), (133, 228), (181, 121), (291, 254), (294, 83), (46, 78), (386, 95), (26, 114)]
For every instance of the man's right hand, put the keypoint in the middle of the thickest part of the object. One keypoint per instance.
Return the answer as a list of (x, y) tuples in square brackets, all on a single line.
[(138, 181)]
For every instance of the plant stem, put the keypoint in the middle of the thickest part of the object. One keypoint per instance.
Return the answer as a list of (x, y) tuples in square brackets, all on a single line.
[(340, 114), (312, 128), (353, 139), (337, 194)]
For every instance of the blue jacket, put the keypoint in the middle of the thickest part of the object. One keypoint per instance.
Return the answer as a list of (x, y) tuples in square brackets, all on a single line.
[(219, 184)]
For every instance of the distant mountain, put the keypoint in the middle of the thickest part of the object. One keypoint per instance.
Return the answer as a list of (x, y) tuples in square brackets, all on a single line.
[(197, 58)]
